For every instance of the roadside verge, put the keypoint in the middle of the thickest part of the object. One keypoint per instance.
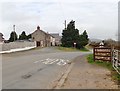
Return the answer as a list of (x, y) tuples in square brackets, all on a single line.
[(87, 76), (114, 75)]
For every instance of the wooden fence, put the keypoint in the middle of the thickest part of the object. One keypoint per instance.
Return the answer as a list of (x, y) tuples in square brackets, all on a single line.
[(108, 54)]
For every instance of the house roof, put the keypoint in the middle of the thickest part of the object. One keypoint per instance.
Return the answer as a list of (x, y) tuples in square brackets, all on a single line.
[(55, 35), (38, 29)]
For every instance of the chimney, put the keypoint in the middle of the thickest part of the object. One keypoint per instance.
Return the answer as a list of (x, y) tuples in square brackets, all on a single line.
[(38, 28)]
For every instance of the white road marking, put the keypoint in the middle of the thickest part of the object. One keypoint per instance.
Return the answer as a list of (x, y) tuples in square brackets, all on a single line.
[(36, 61), (41, 60), (67, 60), (51, 61), (61, 62)]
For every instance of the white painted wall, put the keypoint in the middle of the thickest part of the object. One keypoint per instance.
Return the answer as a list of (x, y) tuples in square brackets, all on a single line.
[(52, 40), (15, 45)]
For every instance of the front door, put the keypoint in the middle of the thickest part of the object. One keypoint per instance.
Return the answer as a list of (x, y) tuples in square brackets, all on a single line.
[(38, 43)]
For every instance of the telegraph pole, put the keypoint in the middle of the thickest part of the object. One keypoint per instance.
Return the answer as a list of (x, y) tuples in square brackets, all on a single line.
[(14, 31), (65, 25)]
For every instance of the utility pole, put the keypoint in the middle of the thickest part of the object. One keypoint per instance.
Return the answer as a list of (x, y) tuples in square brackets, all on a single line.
[(65, 24), (14, 31)]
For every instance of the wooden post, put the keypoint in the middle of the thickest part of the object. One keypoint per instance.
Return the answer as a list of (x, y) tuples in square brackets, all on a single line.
[(65, 25), (111, 50), (94, 53)]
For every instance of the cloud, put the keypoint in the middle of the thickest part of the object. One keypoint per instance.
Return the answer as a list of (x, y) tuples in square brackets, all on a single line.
[(98, 17), (64, 1)]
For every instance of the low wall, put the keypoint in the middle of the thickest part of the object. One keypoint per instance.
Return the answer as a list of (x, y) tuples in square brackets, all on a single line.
[(15, 45)]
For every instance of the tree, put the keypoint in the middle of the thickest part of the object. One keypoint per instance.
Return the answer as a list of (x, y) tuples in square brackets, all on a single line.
[(70, 35), (13, 36), (85, 35), (29, 36), (84, 39), (23, 36)]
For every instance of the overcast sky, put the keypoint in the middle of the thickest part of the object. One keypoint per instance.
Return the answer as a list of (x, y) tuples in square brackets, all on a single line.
[(98, 17)]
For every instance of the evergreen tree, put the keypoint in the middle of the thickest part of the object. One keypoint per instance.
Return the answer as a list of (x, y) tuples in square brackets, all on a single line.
[(29, 36), (83, 38), (70, 35), (85, 35), (13, 36), (86, 39), (23, 36)]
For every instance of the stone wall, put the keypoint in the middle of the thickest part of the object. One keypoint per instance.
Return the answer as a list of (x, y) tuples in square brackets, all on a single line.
[(15, 45)]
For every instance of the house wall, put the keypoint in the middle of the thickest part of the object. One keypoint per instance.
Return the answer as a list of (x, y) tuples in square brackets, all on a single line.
[(57, 39), (41, 37), (1, 38), (48, 43), (52, 40)]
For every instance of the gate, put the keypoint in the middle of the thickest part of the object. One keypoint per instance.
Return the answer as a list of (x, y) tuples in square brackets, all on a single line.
[(108, 54), (116, 60)]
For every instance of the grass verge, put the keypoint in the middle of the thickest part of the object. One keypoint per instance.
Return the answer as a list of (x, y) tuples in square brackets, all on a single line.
[(71, 49), (115, 76)]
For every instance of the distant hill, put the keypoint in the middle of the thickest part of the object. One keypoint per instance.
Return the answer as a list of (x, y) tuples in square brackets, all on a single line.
[(95, 40)]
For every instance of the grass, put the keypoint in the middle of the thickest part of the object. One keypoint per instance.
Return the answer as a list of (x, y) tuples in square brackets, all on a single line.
[(84, 49), (88, 46), (71, 49), (115, 76)]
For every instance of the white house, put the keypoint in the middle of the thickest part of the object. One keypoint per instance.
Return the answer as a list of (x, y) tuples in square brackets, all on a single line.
[(57, 38)]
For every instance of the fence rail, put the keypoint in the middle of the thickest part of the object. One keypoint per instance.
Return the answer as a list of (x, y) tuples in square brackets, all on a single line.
[(108, 54), (116, 60)]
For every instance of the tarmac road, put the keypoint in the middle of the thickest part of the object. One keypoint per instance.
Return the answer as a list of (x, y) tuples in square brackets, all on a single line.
[(35, 69)]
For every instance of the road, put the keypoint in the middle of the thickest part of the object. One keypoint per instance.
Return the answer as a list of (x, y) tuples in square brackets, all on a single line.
[(35, 69)]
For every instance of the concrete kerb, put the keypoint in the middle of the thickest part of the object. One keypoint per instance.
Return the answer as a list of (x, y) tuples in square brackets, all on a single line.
[(17, 50), (62, 80)]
